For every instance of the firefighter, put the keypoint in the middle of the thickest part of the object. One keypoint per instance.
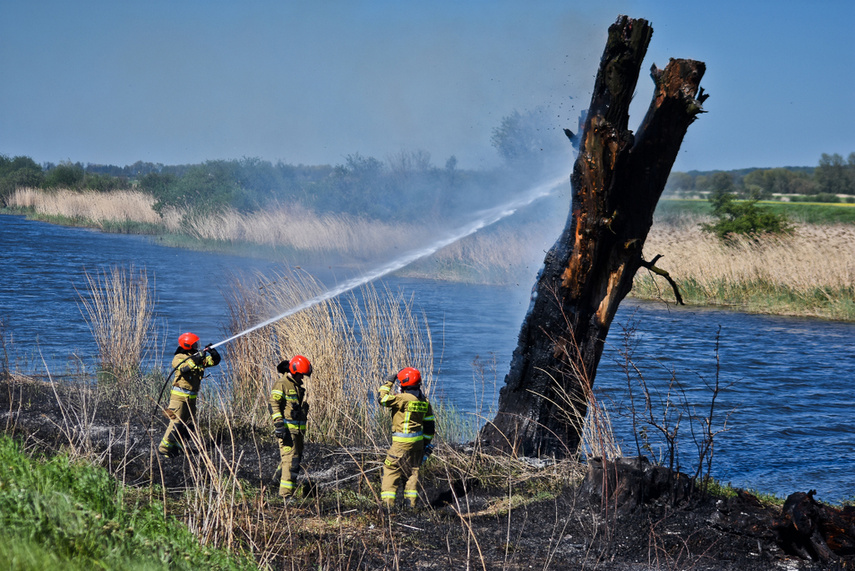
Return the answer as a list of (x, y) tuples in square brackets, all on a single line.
[(288, 411), (412, 434), (189, 365)]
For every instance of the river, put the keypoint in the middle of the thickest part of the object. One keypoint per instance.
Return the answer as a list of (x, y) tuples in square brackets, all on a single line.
[(788, 381)]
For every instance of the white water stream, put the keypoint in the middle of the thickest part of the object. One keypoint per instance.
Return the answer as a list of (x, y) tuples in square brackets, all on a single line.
[(483, 219)]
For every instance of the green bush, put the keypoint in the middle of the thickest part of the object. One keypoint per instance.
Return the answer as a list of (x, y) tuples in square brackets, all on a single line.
[(65, 175), (743, 217), (18, 172)]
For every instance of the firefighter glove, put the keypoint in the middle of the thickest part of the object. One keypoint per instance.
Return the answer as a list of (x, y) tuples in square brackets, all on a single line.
[(428, 450), (305, 408), (279, 429), (392, 377), (198, 359), (215, 355)]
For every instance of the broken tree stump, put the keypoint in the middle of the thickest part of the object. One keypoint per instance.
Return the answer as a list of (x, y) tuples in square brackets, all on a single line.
[(617, 180)]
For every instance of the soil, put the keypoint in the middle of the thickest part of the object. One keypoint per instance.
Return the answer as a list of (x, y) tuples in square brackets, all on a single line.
[(647, 518)]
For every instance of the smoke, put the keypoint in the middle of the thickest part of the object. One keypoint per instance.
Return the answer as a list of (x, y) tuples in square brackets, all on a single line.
[(480, 220)]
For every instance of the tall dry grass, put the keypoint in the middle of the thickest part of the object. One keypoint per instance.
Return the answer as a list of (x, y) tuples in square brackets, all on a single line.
[(119, 307), (811, 272), (352, 344), (97, 207), (307, 232)]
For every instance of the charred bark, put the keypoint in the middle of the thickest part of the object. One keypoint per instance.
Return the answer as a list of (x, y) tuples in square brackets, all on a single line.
[(616, 183)]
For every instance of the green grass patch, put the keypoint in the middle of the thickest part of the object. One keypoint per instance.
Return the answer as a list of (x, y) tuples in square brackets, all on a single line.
[(756, 297), (806, 212), (55, 511)]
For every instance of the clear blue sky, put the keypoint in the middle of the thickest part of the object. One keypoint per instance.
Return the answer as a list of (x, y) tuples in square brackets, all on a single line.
[(184, 81)]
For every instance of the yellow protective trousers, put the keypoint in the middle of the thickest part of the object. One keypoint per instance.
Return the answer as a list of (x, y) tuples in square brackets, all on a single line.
[(402, 464), (291, 453), (181, 412)]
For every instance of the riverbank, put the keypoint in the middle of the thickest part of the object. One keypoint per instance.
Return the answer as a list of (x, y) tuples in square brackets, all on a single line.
[(477, 510), (810, 273)]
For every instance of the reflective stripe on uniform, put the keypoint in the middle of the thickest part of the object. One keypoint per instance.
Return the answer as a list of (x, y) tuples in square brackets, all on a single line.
[(301, 424), (407, 436), (184, 392)]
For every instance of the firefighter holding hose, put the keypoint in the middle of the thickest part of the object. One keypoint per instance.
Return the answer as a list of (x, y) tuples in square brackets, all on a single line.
[(412, 435), (288, 411), (189, 366)]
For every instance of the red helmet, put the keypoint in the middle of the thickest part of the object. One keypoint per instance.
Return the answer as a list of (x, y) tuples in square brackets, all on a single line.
[(299, 365), (409, 377), (188, 340)]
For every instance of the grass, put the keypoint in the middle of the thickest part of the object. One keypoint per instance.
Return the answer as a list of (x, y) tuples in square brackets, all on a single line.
[(57, 512), (820, 213), (353, 342), (810, 273)]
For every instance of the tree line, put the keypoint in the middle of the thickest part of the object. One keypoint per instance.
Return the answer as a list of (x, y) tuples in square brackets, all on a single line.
[(405, 184), (833, 176)]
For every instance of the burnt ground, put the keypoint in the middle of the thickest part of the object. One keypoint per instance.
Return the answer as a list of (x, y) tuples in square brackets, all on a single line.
[(477, 511)]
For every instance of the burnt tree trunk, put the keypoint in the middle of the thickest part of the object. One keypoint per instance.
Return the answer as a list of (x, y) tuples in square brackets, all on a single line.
[(616, 183)]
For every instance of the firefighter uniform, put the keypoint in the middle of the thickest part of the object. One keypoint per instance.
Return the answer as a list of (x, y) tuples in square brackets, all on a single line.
[(189, 369), (412, 430), (288, 405)]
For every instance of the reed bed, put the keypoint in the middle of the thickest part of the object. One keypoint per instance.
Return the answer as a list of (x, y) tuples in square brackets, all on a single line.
[(120, 310), (307, 232), (811, 272), (97, 207), (352, 344)]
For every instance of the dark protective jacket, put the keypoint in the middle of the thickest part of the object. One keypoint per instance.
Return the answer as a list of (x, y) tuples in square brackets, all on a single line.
[(288, 403)]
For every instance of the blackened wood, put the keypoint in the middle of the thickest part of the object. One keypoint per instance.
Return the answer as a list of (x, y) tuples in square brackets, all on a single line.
[(616, 183)]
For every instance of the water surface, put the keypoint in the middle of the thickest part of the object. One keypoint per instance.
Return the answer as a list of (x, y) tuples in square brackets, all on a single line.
[(789, 381)]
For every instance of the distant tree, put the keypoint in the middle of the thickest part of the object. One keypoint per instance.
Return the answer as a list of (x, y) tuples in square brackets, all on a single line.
[(834, 176), (358, 187), (680, 181), (65, 175), (530, 140), (104, 182), (18, 172), (720, 183), (777, 181)]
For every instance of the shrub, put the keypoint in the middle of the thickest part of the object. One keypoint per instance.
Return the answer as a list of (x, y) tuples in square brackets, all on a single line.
[(743, 217)]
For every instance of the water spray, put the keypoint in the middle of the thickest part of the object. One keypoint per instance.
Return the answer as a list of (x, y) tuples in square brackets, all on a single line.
[(486, 218)]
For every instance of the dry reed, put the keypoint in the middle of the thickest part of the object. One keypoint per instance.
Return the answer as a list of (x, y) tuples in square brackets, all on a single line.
[(306, 231), (98, 207), (351, 350), (119, 308), (816, 263)]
